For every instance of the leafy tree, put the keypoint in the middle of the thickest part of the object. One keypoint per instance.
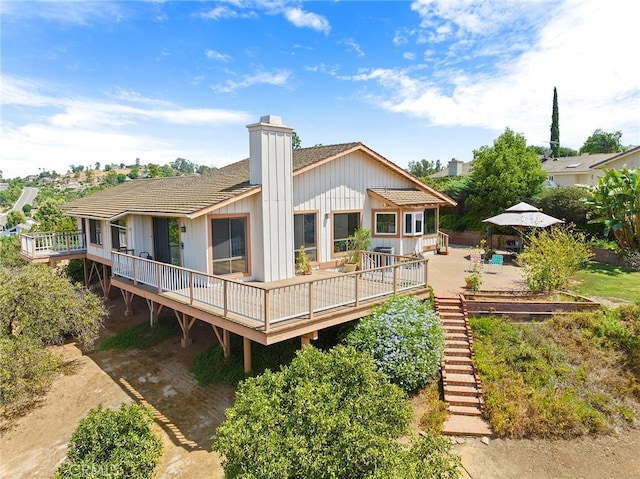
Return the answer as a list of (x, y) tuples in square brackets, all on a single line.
[(295, 141), (424, 168), (603, 142), (97, 165), (166, 171), (37, 303), (153, 170), (26, 209), (108, 167), (563, 151), (554, 143), (51, 218), (114, 444), (111, 178), (552, 257), (504, 174), (203, 169), (183, 166), (405, 339), (325, 415), (26, 370), (88, 176), (568, 204), (134, 172), (615, 202), (10, 252), (15, 217)]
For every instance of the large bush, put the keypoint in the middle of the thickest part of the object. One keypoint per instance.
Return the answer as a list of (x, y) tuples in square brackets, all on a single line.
[(113, 444), (37, 303), (327, 414), (552, 257), (405, 338), (26, 370), (568, 204)]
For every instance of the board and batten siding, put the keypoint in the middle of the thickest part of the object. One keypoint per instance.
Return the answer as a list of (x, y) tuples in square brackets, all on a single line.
[(341, 185), (195, 254), (141, 234)]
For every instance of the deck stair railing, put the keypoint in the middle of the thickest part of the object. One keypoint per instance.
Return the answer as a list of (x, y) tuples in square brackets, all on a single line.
[(380, 275), (45, 244)]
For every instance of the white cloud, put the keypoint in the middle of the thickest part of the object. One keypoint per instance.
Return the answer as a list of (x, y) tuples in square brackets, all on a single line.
[(592, 69), (300, 18), (353, 46), (276, 78), (67, 129), (409, 56), (214, 55), (76, 12)]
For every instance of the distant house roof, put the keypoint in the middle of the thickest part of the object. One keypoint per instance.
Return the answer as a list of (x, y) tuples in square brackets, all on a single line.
[(192, 196), (617, 156), (575, 164), (464, 170), (406, 196)]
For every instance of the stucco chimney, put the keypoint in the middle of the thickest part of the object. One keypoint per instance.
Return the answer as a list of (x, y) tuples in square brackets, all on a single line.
[(271, 165), (455, 167)]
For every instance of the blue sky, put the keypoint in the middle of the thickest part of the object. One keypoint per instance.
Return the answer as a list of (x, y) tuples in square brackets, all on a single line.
[(109, 82)]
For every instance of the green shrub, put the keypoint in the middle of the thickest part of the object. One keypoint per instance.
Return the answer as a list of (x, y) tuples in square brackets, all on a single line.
[(26, 370), (546, 379), (325, 415), (552, 257), (405, 338), (114, 444)]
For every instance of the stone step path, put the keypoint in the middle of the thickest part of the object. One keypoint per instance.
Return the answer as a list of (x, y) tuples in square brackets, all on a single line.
[(462, 387)]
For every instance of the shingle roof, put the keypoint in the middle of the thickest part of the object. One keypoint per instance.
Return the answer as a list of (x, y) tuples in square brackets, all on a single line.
[(406, 196), (575, 164), (186, 195)]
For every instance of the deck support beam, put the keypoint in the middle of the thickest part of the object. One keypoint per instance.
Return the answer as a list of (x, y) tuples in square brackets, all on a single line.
[(154, 311), (246, 350), (223, 339), (128, 302), (186, 322), (305, 339)]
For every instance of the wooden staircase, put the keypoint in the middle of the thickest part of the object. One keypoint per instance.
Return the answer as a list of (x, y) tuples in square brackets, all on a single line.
[(462, 387)]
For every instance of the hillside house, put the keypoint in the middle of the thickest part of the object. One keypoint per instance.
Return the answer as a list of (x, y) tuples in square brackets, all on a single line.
[(221, 247)]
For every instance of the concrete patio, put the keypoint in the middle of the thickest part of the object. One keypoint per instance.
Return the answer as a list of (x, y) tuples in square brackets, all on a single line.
[(447, 273)]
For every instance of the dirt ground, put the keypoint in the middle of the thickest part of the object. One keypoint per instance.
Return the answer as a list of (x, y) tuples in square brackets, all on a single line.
[(188, 414)]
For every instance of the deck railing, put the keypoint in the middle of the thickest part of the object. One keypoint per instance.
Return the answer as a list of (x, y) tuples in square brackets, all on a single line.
[(381, 275), (443, 242), (45, 244)]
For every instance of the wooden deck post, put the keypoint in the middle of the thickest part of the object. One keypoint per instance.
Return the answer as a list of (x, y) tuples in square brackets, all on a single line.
[(223, 340), (246, 349), (185, 322), (128, 302), (306, 339), (86, 272)]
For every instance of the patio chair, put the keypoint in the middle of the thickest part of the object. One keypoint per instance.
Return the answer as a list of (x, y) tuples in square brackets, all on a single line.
[(496, 262), (145, 255)]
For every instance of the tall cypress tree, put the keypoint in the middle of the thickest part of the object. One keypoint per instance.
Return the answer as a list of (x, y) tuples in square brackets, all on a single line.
[(554, 143)]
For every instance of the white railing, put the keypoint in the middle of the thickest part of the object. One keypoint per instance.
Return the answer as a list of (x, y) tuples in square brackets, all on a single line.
[(443, 242), (44, 244), (267, 305)]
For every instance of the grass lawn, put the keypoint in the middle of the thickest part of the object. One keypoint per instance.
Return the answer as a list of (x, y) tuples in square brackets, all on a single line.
[(608, 281)]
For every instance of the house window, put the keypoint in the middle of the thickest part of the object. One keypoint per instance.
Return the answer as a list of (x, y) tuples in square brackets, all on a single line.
[(229, 245), (413, 223), (430, 221), (550, 177), (344, 225), (304, 234), (385, 223), (119, 234), (95, 232)]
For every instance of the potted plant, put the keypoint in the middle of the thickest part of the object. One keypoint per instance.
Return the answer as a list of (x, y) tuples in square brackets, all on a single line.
[(304, 262), (474, 280), (359, 241)]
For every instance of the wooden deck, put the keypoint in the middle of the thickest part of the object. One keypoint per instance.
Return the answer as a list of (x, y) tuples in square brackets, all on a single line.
[(271, 312)]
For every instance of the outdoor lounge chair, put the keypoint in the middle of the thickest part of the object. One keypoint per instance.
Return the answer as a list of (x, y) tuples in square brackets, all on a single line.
[(496, 262)]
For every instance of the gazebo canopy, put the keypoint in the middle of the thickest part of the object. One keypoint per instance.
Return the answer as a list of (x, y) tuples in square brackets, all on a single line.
[(523, 215)]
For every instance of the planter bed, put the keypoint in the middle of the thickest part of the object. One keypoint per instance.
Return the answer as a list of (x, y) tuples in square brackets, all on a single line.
[(522, 305)]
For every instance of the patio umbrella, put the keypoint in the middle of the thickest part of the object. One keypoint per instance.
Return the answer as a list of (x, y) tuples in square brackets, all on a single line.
[(520, 216), (523, 215)]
